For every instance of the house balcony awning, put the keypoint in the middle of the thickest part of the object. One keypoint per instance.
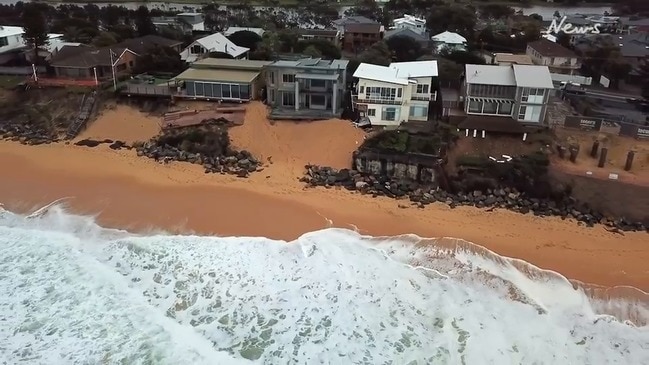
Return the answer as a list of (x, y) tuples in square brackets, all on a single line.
[(332, 77), (491, 100)]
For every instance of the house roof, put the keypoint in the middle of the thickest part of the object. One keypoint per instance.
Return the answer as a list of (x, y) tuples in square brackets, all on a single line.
[(380, 73), (143, 44), (632, 45), (533, 76), (449, 38), (312, 63), (490, 75), (519, 59), (218, 75), (633, 22), (416, 68), (225, 63), (551, 49), (406, 32), (363, 28), (354, 20), (231, 30), (85, 57), (217, 42), (409, 19), (8, 30)]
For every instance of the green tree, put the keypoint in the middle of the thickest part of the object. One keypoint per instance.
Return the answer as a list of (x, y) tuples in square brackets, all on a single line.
[(378, 54), (160, 59), (104, 39), (327, 49), (246, 38), (454, 18), (312, 51), (35, 27), (143, 22), (404, 49)]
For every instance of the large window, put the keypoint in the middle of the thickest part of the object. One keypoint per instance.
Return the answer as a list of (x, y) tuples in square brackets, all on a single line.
[(475, 106), (4, 41), (272, 78), (288, 78), (505, 108), (226, 91), (371, 112), (418, 111), (521, 112), (489, 107), (382, 93), (319, 83), (532, 95), (494, 91), (288, 99), (389, 114), (422, 89)]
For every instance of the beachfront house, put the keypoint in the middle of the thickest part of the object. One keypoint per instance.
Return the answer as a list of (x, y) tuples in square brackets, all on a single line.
[(391, 95), (309, 88), (358, 32), (84, 63), (505, 98), (558, 58), (217, 42), (417, 25), (220, 79)]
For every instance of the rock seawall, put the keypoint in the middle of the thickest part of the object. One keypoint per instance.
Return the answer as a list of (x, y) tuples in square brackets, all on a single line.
[(422, 194)]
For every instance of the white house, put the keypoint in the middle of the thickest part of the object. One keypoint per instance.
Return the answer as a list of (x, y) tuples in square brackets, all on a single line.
[(216, 42), (12, 43), (417, 25), (388, 96), (449, 41)]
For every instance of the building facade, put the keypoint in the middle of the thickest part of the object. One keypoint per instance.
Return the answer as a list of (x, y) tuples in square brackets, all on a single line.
[(217, 42), (417, 25), (518, 92), (218, 79), (558, 58), (309, 88), (389, 96), (358, 32)]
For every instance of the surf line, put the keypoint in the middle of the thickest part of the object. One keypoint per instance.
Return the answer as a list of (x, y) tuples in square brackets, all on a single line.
[(42, 211)]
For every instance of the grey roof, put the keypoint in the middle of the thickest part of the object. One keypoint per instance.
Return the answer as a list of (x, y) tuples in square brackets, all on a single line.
[(514, 75), (490, 75), (533, 76), (406, 32), (312, 63), (630, 21), (358, 19)]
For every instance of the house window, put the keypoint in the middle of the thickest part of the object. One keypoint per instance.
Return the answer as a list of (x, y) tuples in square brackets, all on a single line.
[(418, 111), (4, 41), (272, 96), (318, 83), (361, 90), (371, 112), (389, 114), (196, 49), (382, 93), (225, 88), (422, 89), (288, 99), (398, 92), (272, 78), (475, 106), (521, 112), (288, 78), (489, 107), (505, 108)]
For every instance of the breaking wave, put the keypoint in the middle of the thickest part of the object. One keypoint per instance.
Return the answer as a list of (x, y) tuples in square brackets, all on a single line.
[(76, 293)]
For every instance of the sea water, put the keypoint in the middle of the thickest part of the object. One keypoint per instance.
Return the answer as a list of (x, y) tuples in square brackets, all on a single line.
[(72, 292)]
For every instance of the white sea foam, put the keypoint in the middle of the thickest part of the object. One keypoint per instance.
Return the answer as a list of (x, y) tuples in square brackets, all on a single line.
[(74, 293)]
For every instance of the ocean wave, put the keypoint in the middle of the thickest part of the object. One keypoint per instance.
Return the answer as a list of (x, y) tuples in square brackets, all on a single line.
[(75, 292)]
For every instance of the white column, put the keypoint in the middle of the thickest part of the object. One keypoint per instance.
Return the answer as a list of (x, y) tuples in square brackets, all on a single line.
[(297, 96), (333, 101), (467, 132), (475, 133), (483, 134)]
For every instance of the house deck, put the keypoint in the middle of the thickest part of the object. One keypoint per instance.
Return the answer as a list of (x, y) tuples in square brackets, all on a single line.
[(147, 90), (302, 114), (493, 124)]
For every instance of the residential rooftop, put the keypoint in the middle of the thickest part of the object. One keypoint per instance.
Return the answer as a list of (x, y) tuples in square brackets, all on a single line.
[(226, 63), (449, 38), (197, 74), (406, 32), (519, 59), (312, 63), (551, 49), (358, 19), (515, 75), (398, 72)]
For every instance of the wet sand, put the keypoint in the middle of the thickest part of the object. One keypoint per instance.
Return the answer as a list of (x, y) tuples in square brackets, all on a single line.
[(126, 191)]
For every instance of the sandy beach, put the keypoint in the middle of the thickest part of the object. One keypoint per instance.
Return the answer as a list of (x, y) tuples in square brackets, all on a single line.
[(134, 193)]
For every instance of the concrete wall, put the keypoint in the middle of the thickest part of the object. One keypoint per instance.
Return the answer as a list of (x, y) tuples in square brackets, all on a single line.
[(407, 170)]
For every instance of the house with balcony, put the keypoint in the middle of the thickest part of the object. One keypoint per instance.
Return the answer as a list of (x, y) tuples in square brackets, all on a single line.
[(390, 95), (505, 99), (449, 42), (217, 42), (306, 89), (417, 25), (556, 57), (358, 32)]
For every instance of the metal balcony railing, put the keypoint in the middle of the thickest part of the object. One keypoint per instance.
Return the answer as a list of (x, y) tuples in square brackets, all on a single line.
[(373, 100)]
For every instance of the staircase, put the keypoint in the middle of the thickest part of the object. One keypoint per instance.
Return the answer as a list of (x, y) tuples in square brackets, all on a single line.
[(87, 105)]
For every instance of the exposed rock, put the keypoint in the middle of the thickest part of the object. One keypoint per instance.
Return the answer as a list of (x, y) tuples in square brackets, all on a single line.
[(490, 199)]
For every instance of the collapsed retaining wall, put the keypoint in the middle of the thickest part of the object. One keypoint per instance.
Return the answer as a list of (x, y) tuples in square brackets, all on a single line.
[(417, 167)]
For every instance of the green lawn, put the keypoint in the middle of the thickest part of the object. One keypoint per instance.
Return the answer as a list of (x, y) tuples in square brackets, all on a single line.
[(9, 82)]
